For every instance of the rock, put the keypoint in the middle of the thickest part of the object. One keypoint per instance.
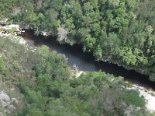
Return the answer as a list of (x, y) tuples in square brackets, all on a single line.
[(4, 21), (4, 99), (130, 110), (1, 114), (11, 108), (7, 104), (22, 41), (12, 89)]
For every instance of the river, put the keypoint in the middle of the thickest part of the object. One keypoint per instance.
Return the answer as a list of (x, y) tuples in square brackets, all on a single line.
[(85, 61)]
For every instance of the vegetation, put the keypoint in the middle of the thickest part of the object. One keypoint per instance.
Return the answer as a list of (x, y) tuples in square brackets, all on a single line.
[(49, 88), (119, 31)]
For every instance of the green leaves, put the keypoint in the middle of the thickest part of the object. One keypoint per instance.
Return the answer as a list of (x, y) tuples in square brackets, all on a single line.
[(49, 89), (89, 42), (132, 98)]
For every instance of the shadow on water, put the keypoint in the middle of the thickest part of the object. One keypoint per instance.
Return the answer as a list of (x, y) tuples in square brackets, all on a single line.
[(86, 61)]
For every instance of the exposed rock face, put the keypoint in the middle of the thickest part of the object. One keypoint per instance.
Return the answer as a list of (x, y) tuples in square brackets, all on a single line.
[(3, 22), (4, 99), (130, 110), (10, 28), (1, 114), (7, 104)]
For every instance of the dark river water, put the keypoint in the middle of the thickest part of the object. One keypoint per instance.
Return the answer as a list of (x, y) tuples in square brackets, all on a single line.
[(85, 61)]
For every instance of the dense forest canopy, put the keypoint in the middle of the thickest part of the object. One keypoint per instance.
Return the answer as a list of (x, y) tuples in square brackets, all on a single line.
[(113, 30), (118, 31)]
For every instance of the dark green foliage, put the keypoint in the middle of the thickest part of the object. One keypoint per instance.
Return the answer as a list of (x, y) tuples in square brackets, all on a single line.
[(45, 81), (120, 31)]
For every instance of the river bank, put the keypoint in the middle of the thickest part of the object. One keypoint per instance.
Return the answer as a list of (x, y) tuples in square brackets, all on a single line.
[(148, 94)]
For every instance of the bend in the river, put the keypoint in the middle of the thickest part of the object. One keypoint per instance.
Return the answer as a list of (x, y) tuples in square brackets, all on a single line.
[(86, 61)]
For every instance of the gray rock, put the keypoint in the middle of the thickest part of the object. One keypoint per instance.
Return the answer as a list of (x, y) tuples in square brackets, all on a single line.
[(1, 114), (4, 99)]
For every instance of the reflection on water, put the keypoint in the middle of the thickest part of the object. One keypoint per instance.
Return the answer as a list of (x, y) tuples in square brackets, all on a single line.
[(85, 61)]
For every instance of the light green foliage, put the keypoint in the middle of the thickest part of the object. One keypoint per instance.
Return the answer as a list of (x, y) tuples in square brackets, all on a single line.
[(104, 27), (121, 31), (103, 95), (44, 79), (131, 98), (127, 56), (42, 70)]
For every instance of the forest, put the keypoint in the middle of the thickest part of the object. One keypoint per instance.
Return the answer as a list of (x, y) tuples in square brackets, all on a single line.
[(45, 86), (117, 31)]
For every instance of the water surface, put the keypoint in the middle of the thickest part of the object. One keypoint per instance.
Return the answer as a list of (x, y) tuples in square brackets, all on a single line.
[(86, 61)]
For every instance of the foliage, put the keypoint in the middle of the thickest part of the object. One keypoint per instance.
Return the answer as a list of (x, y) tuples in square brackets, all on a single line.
[(120, 31), (45, 80)]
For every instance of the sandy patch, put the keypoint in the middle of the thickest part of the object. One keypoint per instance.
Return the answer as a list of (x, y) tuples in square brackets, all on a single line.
[(149, 96)]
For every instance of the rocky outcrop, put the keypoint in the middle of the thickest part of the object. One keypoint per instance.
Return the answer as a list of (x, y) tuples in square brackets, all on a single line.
[(7, 104)]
